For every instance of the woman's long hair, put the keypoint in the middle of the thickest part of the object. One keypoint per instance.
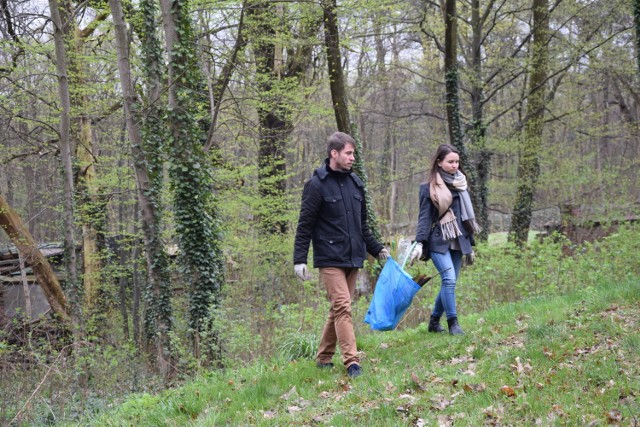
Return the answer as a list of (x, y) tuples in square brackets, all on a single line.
[(441, 153)]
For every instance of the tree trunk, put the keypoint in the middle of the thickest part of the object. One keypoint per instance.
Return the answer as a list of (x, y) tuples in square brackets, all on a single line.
[(156, 257), (92, 212), (451, 71), (478, 131), (338, 89), (636, 22), (25, 288), (195, 213), (65, 154), (274, 115), (91, 206), (11, 223), (451, 77), (529, 163), (336, 75)]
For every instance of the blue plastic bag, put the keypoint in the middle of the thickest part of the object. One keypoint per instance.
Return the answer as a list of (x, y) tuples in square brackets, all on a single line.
[(392, 296)]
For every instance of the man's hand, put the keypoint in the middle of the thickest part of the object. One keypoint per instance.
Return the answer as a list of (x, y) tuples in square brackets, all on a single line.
[(302, 272), (383, 254), (416, 253)]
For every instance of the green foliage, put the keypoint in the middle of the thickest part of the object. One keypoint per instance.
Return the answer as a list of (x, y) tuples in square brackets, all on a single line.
[(299, 346), (154, 133), (195, 211), (570, 359)]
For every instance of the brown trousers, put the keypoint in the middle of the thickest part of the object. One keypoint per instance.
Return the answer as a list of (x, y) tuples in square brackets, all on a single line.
[(340, 284)]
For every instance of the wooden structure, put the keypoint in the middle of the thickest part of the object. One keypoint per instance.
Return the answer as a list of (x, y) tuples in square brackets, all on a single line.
[(20, 293)]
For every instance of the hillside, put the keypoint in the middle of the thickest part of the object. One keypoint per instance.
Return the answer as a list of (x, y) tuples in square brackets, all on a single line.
[(569, 360)]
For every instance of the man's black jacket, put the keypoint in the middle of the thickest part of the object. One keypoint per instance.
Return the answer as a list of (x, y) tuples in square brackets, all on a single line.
[(333, 216)]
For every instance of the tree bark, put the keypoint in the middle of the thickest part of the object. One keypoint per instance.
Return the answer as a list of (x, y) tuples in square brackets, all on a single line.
[(478, 125), (529, 162), (339, 98), (274, 115), (91, 206), (336, 75), (636, 22), (155, 255), (65, 151), (19, 235), (195, 212)]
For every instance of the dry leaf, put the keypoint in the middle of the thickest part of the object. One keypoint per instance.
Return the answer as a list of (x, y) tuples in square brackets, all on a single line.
[(408, 397), (613, 416), (507, 391), (474, 387), (291, 393), (417, 381), (439, 403), (268, 414)]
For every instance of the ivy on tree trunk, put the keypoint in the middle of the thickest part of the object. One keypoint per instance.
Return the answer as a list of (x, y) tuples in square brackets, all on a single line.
[(196, 216), (529, 162), (146, 157)]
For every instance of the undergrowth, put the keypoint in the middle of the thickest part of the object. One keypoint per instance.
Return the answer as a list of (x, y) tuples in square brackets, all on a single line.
[(270, 316), (566, 360)]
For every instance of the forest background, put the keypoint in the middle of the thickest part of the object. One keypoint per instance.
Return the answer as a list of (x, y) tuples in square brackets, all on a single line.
[(168, 142)]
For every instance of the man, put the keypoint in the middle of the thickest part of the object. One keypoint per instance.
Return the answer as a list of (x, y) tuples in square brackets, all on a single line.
[(333, 216)]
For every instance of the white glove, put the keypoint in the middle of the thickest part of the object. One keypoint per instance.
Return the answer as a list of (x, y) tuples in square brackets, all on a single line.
[(416, 253), (383, 254), (302, 272)]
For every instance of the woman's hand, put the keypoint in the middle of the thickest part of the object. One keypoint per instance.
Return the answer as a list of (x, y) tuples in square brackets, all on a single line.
[(416, 253)]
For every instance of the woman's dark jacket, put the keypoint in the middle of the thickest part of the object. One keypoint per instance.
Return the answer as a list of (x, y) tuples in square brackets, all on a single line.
[(333, 216), (429, 232)]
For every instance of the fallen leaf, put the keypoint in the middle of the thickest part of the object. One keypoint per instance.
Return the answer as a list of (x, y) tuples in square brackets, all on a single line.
[(407, 397), (439, 403), (521, 368), (291, 393), (613, 416), (507, 391), (268, 414), (474, 387), (436, 380), (557, 411), (417, 382)]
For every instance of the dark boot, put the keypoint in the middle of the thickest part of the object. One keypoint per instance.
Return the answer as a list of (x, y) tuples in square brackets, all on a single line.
[(454, 328), (434, 325)]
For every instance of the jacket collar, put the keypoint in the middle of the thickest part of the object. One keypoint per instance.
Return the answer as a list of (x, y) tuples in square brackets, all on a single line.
[(323, 171)]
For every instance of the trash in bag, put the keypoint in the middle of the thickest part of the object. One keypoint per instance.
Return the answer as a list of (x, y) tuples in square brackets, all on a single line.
[(392, 296)]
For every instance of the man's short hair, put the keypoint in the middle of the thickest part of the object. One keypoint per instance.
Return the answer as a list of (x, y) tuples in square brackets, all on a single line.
[(337, 141)]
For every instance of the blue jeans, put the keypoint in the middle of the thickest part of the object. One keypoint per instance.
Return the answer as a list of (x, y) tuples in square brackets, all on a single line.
[(448, 265)]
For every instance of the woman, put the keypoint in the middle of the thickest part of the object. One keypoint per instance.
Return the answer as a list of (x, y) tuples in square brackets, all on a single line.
[(446, 224)]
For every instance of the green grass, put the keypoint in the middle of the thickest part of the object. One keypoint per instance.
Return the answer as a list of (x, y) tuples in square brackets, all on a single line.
[(565, 360)]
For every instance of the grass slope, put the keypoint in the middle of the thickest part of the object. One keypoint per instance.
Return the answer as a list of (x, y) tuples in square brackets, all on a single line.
[(571, 360)]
